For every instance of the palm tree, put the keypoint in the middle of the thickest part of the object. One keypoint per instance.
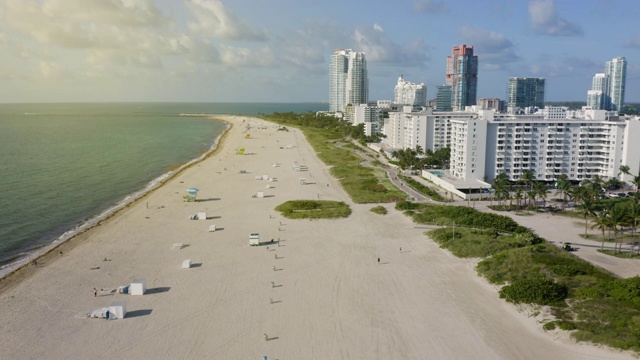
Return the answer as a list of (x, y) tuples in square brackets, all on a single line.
[(587, 208), (518, 196), (500, 184), (541, 190), (617, 218), (527, 178), (578, 193), (564, 185), (532, 194), (636, 182), (601, 222), (633, 215), (624, 169)]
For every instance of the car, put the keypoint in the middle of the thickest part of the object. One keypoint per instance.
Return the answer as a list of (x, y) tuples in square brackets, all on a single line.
[(631, 193), (613, 196)]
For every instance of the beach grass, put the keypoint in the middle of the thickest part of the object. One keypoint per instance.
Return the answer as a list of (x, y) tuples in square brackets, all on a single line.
[(380, 210), (314, 209)]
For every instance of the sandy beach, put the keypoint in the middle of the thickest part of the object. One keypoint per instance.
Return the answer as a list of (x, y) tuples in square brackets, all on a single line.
[(320, 294)]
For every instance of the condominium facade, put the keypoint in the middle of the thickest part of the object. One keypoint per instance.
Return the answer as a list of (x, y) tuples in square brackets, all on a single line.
[(348, 81), (485, 143), (462, 76), (525, 92), (409, 93), (578, 148)]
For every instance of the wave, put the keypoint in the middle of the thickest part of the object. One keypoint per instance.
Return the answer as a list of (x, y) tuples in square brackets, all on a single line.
[(26, 258)]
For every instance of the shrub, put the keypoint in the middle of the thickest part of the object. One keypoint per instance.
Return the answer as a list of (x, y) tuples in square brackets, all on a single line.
[(381, 210), (566, 270), (625, 290), (551, 325), (537, 290)]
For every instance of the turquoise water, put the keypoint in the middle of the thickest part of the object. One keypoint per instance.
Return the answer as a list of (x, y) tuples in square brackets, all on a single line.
[(437, 173), (63, 164)]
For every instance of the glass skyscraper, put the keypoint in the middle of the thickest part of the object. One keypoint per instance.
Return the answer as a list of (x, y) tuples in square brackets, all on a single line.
[(348, 82), (525, 92), (462, 76)]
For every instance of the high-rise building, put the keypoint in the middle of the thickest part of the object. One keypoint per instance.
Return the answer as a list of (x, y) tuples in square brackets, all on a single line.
[(443, 98), (348, 82), (525, 92), (408, 93), (462, 76), (616, 70), (607, 89), (598, 97)]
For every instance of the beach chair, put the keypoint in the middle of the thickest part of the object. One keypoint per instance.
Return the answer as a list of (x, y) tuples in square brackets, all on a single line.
[(177, 246)]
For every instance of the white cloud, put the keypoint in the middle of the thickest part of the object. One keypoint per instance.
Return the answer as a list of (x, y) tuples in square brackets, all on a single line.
[(377, 27), (235, 57), (379, 48), (494, 50), (214, 20), (545, 20), (431, 6)]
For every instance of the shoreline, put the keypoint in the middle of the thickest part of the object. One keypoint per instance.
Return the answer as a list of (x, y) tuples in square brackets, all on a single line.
[(13, 268)]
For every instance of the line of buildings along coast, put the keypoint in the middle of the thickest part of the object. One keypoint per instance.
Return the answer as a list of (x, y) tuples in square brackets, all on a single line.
[(491, 136)]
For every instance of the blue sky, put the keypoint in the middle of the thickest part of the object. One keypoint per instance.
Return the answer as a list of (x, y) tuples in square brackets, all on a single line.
[(279, 50)]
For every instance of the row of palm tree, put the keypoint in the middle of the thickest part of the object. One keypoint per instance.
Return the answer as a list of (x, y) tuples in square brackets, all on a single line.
[(586, 198)]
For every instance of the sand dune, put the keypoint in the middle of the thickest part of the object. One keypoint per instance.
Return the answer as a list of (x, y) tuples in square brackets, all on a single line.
[(331, 299)]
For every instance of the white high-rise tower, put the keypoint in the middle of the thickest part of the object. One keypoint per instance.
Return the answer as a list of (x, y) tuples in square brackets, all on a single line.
[(616, 70), (348, 82)]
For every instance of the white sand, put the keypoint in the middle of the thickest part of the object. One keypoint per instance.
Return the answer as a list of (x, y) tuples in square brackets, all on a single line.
[(332, 300)]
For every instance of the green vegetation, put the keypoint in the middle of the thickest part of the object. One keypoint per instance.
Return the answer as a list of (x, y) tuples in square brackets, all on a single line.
[(462, 216), (314, 209), (418, 159), (325, 134), (380, 210), (422, 189), (593, 304)]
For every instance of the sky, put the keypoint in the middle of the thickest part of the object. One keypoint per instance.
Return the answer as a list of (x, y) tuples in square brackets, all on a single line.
[(279, 50)]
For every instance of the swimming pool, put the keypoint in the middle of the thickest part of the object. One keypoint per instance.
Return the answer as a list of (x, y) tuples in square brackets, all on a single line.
[(437, 173)]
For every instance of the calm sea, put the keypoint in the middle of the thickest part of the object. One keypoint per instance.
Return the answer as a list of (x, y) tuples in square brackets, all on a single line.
[(62, 165)]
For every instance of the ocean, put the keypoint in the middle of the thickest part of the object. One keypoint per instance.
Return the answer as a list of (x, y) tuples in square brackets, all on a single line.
[(65, 166)]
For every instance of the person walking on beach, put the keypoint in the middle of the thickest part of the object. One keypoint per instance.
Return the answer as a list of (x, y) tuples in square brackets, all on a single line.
[(95, 292), (378, 260), (400, 248)]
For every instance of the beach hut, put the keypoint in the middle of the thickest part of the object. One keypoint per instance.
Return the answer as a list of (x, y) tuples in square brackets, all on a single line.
[(212, 228), (202, 215), (117, 310), (254, 239), (260, 194), (137, 287), (186, 264)]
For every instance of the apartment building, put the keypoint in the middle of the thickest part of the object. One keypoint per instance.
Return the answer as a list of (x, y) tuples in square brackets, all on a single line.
[(485, 143)]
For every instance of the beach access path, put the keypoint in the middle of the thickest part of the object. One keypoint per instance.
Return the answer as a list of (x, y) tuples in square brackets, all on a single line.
[(321, 294)]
